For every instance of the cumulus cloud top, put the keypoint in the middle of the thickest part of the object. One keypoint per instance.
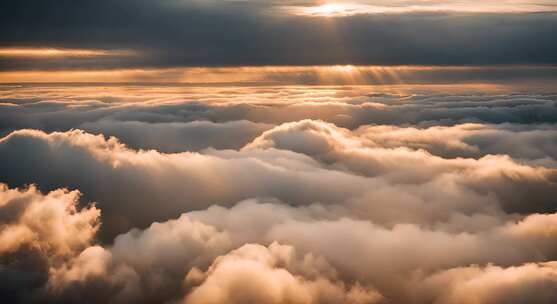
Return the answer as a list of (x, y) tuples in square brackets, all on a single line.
[(207, 257), (45, 223), (264, 275), (529, 283)]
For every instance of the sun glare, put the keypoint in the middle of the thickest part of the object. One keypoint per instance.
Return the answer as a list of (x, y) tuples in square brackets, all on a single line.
[(329, 10)]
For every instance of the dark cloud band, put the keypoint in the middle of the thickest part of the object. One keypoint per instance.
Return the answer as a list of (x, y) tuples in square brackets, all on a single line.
[(187, 33)]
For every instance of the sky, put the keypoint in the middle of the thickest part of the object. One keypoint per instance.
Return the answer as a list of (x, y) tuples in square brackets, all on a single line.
[(160, 38), (278, 151)]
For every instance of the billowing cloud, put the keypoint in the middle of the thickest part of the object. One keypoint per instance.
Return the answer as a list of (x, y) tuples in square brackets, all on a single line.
[(39, 231), (179, 137), (254, 273), (530, 283), (286, 163), (45, 223), (141, 266), (268, 194), (472, 140), (231, 255)]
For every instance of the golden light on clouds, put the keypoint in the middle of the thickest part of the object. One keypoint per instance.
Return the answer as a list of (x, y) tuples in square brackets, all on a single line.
[(347, 8), (60, 52), (278, 151), (284, 75), (335, 74), (122, 75)]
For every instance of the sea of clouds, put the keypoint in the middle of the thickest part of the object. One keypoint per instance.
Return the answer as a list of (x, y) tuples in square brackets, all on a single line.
[(276, 195)]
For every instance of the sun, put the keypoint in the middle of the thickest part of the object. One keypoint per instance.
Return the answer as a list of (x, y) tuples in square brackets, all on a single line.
[(329, 10)]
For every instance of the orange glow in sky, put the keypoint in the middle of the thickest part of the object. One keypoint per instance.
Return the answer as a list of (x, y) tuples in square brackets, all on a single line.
[(57, 52)]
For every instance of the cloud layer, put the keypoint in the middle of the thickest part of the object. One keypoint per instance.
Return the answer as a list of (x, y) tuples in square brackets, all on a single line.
[(277, 195)]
